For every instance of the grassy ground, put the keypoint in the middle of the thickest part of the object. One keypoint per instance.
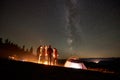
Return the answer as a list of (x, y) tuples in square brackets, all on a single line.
[(17, 70)]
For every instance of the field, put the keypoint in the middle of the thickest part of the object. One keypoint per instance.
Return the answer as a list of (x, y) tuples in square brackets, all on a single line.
[(18, 70)]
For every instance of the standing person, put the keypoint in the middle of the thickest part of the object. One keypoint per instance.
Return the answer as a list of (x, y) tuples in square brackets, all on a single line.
[(46, 54), (55, 56), (43, 54), (38, 53), (49, 52)]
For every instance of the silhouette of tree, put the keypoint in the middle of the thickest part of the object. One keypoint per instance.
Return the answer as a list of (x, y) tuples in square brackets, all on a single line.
[(27, 51), (8, 48), (23, 48), (31, 50), (1, 41), (6, 41)]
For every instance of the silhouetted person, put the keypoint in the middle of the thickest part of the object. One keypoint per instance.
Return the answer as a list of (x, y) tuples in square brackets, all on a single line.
[(38, 52), (46, 55), (42, 52), (49, 52), (55, 56)]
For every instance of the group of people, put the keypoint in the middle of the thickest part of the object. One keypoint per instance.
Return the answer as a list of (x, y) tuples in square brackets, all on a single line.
[(47, 55)]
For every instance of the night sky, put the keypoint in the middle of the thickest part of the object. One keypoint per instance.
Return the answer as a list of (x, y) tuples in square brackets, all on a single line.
[(84, 28)]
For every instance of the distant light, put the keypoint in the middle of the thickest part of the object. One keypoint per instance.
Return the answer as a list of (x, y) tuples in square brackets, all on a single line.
[(96, 61)]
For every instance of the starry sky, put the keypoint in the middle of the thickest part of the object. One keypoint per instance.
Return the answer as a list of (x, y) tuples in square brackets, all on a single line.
[(84, 28)]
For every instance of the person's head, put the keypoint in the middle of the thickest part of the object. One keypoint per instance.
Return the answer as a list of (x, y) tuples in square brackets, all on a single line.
[(49, 46), (54, 48), (46, 47)]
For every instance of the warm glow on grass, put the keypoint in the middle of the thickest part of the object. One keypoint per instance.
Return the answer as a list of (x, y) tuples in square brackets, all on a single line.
[(46, 63)]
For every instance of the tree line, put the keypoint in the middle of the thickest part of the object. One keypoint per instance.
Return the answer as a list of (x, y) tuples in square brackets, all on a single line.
[(8, 48)]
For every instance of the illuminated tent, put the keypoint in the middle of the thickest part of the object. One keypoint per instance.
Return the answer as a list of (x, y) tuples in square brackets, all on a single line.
[(74, 62)]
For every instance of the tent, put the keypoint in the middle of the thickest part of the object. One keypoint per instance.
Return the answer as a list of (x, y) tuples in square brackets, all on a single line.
[(74, 62)]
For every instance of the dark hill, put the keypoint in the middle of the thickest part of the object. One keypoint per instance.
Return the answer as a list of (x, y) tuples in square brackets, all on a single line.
[(17, 70)]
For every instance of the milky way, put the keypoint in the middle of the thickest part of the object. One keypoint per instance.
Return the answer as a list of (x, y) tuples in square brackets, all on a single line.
[(72, 24)]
